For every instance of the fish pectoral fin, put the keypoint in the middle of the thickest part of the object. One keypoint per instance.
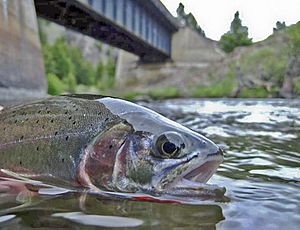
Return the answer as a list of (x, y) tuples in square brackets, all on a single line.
[(19, 177), (20, 181), (16, 188), (23, 183)]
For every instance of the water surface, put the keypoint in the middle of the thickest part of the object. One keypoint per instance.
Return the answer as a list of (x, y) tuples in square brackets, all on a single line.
[(261, 173)]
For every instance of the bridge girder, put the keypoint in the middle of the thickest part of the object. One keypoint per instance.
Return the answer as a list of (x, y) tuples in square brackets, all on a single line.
[(105, 25)]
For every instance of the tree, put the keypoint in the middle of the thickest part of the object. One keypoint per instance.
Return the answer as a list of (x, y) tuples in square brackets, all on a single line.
[(237, 36), (180, 13), (188, 19), (279, 26), (293, 63)]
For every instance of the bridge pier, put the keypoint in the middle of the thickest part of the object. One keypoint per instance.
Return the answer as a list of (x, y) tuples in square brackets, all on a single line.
[(21, 62)]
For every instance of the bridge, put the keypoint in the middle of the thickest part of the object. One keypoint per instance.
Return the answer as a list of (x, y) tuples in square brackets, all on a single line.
[(143, 28)]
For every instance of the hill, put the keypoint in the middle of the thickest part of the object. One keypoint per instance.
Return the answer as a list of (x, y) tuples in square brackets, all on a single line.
[(270, 68)]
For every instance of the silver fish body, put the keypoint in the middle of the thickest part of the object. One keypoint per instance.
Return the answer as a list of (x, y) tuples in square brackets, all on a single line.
[(104, 143)]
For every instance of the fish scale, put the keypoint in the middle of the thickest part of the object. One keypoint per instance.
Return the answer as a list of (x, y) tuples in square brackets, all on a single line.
[(50, 135), (103, 144)]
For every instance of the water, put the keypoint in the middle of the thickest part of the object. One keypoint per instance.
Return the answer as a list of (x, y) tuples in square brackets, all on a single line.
[(261, 173)]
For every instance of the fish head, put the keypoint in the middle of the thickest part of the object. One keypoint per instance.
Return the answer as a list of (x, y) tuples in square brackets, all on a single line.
[(149, 152)]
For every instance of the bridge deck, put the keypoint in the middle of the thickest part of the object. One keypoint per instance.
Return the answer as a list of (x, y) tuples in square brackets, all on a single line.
[(143, 28)]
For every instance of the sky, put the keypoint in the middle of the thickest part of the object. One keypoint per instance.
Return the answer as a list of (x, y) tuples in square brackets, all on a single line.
[(260, 16)]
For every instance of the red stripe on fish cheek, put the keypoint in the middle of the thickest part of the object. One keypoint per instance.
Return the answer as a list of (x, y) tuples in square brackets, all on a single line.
[(100, 159)]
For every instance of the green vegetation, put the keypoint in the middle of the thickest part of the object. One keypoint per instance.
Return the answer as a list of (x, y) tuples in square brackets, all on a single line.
[(66, 68), (167, 92), (279, 26), (269, 64), (297, 86), (268, 67), (259, 72), (223, 88), (131, 95), (237, 36), (293, 53), (154, 93), (55, 85), (256, 92), (188, 19), (294, 39), (69, 66)]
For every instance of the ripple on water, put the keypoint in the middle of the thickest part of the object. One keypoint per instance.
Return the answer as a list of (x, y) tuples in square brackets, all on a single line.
[(261, 173), (100, 220)]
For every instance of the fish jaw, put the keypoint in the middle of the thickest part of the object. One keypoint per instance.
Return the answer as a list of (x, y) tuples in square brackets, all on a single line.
[(190, 172), (203, 170)]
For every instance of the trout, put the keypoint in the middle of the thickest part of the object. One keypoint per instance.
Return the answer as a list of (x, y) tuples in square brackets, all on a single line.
[(104, 144)]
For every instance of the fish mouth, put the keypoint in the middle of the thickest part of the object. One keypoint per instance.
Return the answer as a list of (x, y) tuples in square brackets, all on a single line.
[(201, 173), (190, 172)]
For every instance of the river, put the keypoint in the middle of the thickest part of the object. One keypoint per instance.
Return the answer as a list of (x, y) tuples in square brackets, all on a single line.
[(261, 174)]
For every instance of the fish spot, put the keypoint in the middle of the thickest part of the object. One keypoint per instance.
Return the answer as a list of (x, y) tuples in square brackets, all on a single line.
[(48, 112), (43, 127), (66, 112), (76, 109), (55, 134), (99, 113), (67, 138), (37, 148), (20, 162), (22, 137), (52, 121), (37, 121), (16, 121), (74, 122), (39, 111), (4, 128), (63, 160), (106, 119), (70, 117), (110, 146)]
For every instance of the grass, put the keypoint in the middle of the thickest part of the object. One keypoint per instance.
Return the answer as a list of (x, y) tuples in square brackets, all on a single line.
[(155, 93), (223, 88), (131, 95), (164, 93), (297, 86), (257, 92)]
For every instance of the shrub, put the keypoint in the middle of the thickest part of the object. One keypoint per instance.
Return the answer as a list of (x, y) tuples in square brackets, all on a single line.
[(55, 85), (257, 92), (167, 92), (267, 63), (222, 88)]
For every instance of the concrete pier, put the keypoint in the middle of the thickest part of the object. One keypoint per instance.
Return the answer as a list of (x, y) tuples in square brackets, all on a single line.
[(22, 74)]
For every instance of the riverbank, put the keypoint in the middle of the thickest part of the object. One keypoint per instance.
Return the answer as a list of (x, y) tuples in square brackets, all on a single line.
[(267, 69), (198, 69)]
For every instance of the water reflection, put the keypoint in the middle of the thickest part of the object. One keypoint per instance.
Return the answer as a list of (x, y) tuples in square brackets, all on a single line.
[(261, 173), (99, 220), (67, 211)]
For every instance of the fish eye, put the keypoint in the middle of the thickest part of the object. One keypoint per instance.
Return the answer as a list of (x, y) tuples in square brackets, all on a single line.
[(169, 145)]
